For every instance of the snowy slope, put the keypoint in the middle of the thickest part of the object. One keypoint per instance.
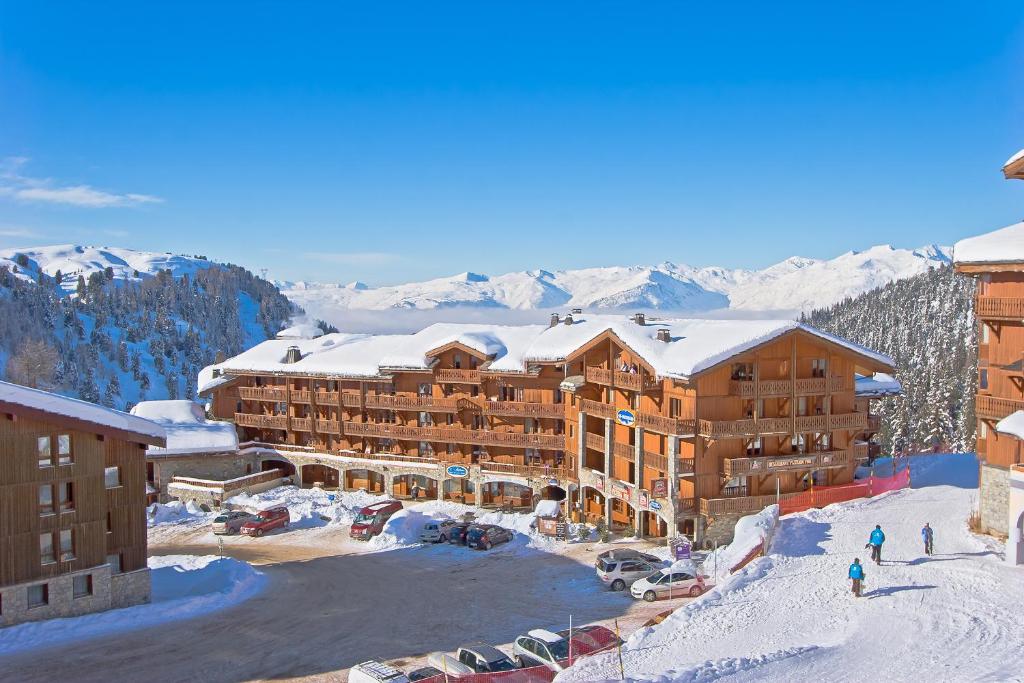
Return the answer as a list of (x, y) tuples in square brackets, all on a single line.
[(73, 260), (954, 616), (795, 284)]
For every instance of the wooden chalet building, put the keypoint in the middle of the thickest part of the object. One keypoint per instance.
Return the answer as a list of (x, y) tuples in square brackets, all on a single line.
[(662, 426), (996, 260), (72, 506)]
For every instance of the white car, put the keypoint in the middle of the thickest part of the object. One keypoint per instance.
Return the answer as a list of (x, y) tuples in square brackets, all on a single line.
[(436, 532), (376, 672), (668, 583), (541, 648), (620, 574)]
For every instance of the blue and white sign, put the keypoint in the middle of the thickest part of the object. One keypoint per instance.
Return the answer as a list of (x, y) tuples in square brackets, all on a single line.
[(626, 418), (654, 505), (457, 471)]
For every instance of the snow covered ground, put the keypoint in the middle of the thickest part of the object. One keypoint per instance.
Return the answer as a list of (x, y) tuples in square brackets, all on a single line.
[(790, 616), (184, 587)]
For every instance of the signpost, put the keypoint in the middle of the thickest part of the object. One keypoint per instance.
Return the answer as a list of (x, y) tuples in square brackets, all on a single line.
[(681, 547)]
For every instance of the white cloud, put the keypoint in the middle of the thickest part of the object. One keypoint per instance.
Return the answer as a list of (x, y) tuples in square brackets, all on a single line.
[(24, 188), (17, 231)]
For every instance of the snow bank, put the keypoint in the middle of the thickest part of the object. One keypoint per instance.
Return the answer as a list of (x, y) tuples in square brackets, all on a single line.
[(184, 587), (176, 512), (308, 507), (751, 531)]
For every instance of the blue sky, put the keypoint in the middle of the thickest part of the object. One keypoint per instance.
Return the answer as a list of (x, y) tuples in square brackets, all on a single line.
[(398, 141)]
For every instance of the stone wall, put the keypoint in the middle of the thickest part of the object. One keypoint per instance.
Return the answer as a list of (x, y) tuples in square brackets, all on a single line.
[(210, 498), (994, 499), (62, 601), (722, 528), (130, 588), (199, 466)]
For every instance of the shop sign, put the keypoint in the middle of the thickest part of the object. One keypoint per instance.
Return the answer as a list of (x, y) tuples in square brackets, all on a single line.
[(626, 418), (659, 488), (457, 471)]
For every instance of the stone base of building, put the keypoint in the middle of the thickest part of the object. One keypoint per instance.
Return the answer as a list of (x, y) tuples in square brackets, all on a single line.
[(199, 466), (105, 591), (721, 529), (994, 499)]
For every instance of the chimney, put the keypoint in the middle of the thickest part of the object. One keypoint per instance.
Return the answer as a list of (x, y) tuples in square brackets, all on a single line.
[(217, 372), (577, 311), (664, 335), (554, 320), (293, 355), (568, 319), (639, 319)]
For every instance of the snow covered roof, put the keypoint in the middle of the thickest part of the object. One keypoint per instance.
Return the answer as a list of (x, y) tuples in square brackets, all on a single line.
[(1005, 245), (1014, 166), (877, 385), (300, 331), (1016, 157), (1012, 424), (545, 635), (187, 428), (695, 345), (81, 415)]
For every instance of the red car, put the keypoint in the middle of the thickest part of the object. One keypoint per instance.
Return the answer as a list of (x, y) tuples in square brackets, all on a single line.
[(371, 519), (266, 520)]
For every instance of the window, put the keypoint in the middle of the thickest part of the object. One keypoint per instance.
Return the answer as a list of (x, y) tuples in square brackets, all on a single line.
[(743, 371), (559, 398), (46, 548), (424, 389), (112, 477), (984, 333), (64, 449), (675, 407), (67, 545), (983, 378), (44, 452), (110, 522), (46, 499), (38, 596), (457, 361), (115, 563), (801, 406), (982, 430), (82, 585), (67, 496), (819, 367)]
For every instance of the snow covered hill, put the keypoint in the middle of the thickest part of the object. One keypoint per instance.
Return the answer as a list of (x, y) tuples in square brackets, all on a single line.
[(796, 284), (790, 616), (72, 260)]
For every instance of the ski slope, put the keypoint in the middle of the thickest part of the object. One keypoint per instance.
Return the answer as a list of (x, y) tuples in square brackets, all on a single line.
[(790, 616)]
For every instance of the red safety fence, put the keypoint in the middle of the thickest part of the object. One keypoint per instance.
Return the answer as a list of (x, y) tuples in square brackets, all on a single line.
[(754, 553), (820, 496)]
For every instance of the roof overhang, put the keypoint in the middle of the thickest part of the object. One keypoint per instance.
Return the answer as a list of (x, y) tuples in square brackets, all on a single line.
[(80, 425), (1015, 169)]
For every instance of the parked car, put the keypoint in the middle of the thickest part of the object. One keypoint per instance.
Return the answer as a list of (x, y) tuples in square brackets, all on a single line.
[(616, 554), (484, 659), (266, 520), (424, 672), (376, 672), (589, 639), (668, 582), (436, 532), (457, 533), (620, 574), (487, 535), (230, 522), (541, 648), (447, 664), (371, 519)]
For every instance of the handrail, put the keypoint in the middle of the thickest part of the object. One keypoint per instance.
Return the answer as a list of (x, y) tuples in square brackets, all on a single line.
[(455, 435)]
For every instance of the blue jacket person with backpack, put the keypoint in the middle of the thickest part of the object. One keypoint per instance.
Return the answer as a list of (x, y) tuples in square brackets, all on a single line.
[(876, 540), (857, 576), (927, 536)]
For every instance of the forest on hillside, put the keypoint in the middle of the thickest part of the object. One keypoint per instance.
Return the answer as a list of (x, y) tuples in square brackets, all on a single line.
[(926, 324), (117, 341)]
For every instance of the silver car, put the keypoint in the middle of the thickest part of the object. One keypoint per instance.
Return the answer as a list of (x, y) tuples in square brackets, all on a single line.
[(230, 522), (541, 648), (620, 574)]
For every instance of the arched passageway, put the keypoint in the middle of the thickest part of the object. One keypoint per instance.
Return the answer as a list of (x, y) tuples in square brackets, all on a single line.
[(460, 490), (320, 475), (506, 494), (414, 487), (365, 480), (272, 464)]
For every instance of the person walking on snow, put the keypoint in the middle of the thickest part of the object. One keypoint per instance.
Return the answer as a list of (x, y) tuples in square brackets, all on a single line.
[(857, 576), (927, 536), (876, 540)]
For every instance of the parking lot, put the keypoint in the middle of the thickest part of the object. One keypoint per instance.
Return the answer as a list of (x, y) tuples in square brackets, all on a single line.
[(330, 605)]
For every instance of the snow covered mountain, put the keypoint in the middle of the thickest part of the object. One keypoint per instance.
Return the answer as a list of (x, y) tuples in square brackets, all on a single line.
[(796, 284)]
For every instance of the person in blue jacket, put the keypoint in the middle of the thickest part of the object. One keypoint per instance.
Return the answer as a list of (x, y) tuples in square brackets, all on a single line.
[(927, 536), (857, 576), (876, 540)]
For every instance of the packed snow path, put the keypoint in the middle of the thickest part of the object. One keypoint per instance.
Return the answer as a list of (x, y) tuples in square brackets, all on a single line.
[(790, 616)]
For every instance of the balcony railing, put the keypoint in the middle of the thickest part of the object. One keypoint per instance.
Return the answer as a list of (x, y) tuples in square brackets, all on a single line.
[(999, 308), (455, 435), (232, 484), (995, 408), (327, 397), (327, 427), (794, 462), (300, 424), (713, 507), (786, 387), (262, 421), (263, 393), (874, 423), (648, 421), (525, 409), (723, 429), (301, 396), (457, 376), (530, 471), (622, 380)]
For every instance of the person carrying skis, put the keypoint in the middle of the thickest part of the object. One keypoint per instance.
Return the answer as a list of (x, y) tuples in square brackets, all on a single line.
[(927, 536), (857, 576), (876, 540)]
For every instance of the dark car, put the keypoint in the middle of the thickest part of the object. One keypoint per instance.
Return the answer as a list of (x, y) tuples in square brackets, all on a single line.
[(424, 672), (457, 533), (487, 535)]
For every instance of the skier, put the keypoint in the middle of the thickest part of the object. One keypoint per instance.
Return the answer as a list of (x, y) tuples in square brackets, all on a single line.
[(927, 536), (875, 541), (857, 576)]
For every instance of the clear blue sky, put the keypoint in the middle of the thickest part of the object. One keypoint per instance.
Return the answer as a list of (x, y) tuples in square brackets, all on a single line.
[(397, 141)]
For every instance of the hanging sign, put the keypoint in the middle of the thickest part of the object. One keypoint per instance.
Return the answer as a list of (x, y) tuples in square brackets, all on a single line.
[(626, 418), (457, 471)]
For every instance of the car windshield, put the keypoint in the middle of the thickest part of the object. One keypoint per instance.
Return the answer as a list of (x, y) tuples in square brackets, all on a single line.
[(221, 518), (476, 532), (430, 527), (504, 664), (559, 649), (606, 565), (363, 518)]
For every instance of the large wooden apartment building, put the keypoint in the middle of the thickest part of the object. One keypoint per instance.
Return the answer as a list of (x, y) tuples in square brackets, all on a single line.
[(996, 260), (662, 426), (72, 506)]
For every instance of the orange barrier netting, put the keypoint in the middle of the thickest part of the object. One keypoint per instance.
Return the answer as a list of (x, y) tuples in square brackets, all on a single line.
[(820, 496)]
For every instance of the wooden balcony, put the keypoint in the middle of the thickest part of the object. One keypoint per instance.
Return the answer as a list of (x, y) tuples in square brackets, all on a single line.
[(525, 409), (327, 427), (786, 387), (478, 437), (300, 424), (713, 507), (327, 397), (621, 380), (726, 429), (855, 421), (413, 403), (456, 376), (263, 393), (648, 421), (734, 467), (301, 396), (874, 423), (529, 471), (995, 408), (262, 421), (999, 308)]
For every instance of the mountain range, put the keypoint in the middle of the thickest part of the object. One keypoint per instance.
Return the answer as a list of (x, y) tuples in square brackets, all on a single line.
[(794, 285)]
